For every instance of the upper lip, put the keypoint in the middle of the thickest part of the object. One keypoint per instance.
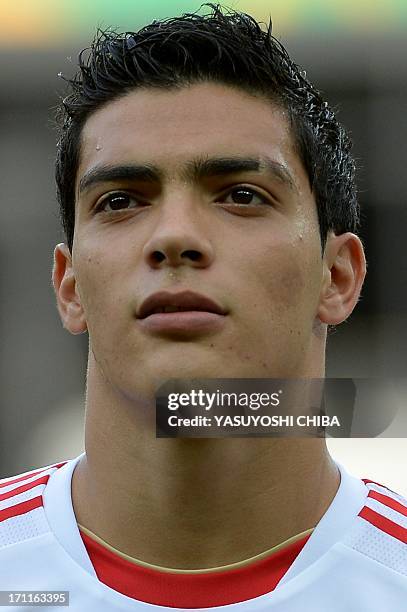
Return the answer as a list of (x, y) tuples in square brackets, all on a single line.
[(185, 299)]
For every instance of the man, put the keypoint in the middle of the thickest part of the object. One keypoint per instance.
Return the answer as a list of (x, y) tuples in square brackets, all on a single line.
[(208, 198)]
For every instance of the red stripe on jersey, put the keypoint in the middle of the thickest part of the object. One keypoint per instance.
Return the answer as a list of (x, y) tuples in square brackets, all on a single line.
[(30, 475), (23, 508), (389, 501), (25, 487), (367, 482), (384, 524)]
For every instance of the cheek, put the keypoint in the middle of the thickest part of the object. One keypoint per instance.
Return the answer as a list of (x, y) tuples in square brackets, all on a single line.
[(99, 291), (284, 285), (104, 307), (285, 279)]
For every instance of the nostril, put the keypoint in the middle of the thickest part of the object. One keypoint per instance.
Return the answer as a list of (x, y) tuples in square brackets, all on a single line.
[(157, 256), (194, 255)]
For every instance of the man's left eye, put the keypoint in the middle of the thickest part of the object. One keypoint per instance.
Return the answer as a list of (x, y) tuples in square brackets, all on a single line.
[(244, 196)]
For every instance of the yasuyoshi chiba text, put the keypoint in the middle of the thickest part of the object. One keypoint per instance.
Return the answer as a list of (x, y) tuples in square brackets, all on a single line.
[(255, 420)]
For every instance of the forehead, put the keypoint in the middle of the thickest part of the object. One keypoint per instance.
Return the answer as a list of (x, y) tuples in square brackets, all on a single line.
[(171, 127)]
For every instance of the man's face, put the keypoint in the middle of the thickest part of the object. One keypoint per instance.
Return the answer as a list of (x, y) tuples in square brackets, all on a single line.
[(246, 238)]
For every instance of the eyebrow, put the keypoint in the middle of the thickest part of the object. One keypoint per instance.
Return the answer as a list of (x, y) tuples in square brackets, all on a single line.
[(193, 170)]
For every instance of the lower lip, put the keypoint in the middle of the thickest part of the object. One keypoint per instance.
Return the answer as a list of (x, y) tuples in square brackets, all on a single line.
[(188, 321)]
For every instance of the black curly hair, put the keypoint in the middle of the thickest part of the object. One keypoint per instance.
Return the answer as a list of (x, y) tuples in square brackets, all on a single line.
[(222, 46)]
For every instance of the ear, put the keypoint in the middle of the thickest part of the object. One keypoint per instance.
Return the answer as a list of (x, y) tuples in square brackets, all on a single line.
[(344, 270), (68, 299)]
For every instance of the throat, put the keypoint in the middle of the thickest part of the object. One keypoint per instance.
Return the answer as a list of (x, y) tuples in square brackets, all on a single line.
[(209, 504)]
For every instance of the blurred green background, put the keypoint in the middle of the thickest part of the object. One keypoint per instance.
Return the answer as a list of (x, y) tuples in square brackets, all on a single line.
[(45, 23)]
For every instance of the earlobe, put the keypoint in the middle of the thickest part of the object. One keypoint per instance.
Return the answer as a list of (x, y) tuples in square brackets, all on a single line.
[(344, 273), (65, 287)]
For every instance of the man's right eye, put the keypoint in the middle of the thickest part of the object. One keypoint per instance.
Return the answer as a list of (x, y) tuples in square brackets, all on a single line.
[(117, 201)]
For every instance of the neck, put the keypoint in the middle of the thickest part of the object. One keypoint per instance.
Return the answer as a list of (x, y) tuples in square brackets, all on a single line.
[(193, 503)]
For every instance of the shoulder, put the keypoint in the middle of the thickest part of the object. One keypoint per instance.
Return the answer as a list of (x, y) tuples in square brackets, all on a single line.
[(380, 530), (22, 514)]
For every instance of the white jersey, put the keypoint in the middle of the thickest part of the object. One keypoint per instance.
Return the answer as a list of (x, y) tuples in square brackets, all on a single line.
[(354, 561)]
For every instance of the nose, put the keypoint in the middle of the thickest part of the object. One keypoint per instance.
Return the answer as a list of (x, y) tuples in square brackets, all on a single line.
[(179, 239)]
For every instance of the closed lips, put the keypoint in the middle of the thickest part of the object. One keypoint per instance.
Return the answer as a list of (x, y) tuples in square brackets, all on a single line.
[(165, 301), (175, 309)]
